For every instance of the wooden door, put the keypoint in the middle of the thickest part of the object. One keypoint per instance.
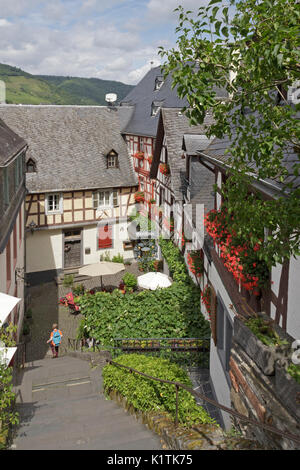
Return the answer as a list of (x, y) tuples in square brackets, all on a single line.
[(72, 249)]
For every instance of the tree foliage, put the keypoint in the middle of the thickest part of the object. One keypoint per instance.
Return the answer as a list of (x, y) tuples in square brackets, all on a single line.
[(251, 49), (7, 397)]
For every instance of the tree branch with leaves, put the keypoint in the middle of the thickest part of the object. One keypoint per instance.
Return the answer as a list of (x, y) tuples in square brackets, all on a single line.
[(250, 49)]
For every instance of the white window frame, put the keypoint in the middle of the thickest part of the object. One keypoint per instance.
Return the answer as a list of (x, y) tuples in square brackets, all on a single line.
[(112, 161), (108, 202), (59, 209)]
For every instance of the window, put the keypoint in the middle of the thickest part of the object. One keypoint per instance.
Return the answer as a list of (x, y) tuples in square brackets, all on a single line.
[(105, 199), (54, 203), (158, 83), (112, 159), (224, 335), (162, 196), (155, 107), (30, 166)]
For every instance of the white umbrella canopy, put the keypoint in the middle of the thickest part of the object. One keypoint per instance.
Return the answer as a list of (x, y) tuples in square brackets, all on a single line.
[(153, 281)]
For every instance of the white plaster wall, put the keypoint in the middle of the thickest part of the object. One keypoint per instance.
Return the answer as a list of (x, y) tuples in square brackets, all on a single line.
[(120, 234), (218, 377), (293, 317), (43, 250)]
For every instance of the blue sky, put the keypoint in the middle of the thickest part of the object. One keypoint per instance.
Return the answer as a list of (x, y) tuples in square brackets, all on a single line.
[(109, 39)]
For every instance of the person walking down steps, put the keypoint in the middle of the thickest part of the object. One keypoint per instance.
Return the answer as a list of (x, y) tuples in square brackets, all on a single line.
[(55, 340)]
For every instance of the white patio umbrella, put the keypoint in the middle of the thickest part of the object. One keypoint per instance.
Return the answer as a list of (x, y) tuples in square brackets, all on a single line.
[(103, 268), (154, 280)]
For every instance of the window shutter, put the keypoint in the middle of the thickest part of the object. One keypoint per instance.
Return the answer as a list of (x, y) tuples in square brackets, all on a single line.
[(115, 199), (95, 200), (213, 314)]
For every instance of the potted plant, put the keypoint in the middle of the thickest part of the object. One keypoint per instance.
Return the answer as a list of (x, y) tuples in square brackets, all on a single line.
[(287, 385), (130, 282), (150, 159), (262, 340)]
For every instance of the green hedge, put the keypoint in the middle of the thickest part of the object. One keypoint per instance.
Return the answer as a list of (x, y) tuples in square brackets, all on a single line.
[(175, 260), (148, 395), (164, 313)]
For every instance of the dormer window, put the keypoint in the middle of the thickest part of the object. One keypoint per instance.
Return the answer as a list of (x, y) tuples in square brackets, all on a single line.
[(155, 107), (112, 159), (30, 166), (158, 83)]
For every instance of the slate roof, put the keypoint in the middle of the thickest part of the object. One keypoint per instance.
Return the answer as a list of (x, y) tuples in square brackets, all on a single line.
[(142, 96), (176, 126), (69, 145), (217, 148), (10, 143)]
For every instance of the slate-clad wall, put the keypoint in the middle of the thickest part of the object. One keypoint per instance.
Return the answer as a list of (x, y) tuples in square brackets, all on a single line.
[(260, 397)]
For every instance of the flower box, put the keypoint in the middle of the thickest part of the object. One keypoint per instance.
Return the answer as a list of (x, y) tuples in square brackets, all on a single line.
[(264, 356), (164, 168), (139, 155), (287, 389), (139, 197)]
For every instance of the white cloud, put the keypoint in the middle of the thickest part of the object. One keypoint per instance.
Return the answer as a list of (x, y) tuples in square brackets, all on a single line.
[(109, 39), (4, 23), (163, 11)]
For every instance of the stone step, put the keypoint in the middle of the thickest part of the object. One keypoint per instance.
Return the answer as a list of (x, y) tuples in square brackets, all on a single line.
[(68, 410)]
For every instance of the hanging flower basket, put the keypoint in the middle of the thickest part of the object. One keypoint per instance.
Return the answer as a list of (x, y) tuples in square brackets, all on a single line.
[(164, 168), (195, 263), (139, 196), (139, 155), (150, 159)]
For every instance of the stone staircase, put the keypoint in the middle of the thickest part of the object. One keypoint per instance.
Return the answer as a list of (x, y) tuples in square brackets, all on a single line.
[(62, 406)]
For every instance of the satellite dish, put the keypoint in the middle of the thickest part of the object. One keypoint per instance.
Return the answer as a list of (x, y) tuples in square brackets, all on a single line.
[(111, 97)]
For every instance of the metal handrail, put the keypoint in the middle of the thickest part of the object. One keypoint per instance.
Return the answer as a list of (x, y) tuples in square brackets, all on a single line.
[(178, 385)]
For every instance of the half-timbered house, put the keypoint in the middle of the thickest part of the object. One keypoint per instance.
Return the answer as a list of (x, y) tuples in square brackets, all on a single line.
[(279, 299), (80, 185), (12, 215), (169, 168), (147, 98)]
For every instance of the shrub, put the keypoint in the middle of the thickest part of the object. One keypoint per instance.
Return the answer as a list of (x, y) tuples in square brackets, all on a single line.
[(26, 329), (68, 280), (164, 313), (28, 313), (148, 395), (78, 290), (130, 281), (118, 258), (294, 371), (175, 261)]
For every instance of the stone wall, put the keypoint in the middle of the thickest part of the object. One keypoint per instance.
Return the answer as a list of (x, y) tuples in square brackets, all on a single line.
[(261, 390)]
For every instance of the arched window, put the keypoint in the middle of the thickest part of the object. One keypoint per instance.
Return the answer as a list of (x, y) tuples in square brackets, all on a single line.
[(112, 159), (30, 166)]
